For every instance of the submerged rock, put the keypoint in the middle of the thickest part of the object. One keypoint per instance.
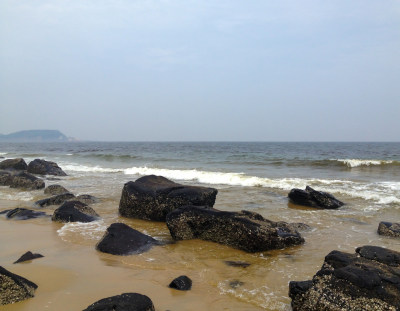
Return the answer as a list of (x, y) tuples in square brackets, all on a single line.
[(240, 264), (124, 302), (181, 283), (18, 164), (389, 229), (26, 181), (313, 198), (23, 214), (73, 211), (55, 200), (55, 190), (245, 230), (368, 280), (28, 256), (14, 287), (121, 239), (44, 167), (153, 197), (87, 199)]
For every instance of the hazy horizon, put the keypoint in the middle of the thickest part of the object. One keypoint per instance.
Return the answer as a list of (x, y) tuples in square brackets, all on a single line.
[(317, 71)]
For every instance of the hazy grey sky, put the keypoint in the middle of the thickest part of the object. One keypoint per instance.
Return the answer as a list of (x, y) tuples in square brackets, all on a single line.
[(202, 70)]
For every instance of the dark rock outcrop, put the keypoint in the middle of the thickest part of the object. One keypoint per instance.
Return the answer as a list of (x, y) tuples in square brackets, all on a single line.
[(124, 302), (245, 230), (73, 211), (55, 189), (44, 167), (23, 214), (5, 178), (26, 181), (181, 283), (367, 280), (18, 164), (55, 200), (120, 239), (87, 199), (28, 256), (14, 287), (313, 198), (389, 229), (153, 197)]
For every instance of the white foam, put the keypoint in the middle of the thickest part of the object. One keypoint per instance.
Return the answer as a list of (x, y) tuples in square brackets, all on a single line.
[(361, 162), (3, 153), (90, 230), (93, 169), (19, 196)]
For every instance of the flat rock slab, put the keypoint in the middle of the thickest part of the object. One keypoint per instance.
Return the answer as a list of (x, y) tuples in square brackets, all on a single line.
[(153, 197), (74, 211), (28, 256), (245, 230), (389, 229), (44, 167), (14, 287), (368, 280), (312, 198), (120, 239), (23, 214), (124, 302)]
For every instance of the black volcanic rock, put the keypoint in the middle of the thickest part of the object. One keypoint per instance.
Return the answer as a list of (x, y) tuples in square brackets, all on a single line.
[(73, 211), (26, 181), (121, 239), (55, 200), (181, 283), (14, 287), (28, 256), (313, 198), (124, 302), (244, 230), (18, 164), (368, 280), (23, 214), (389, 229), (55, 189), (43, 167), (153, 197)]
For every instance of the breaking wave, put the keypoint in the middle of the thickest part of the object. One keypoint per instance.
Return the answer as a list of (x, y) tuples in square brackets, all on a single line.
[(363, 162)]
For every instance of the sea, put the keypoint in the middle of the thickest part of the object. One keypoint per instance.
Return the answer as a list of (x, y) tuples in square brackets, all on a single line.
[(252, 176)]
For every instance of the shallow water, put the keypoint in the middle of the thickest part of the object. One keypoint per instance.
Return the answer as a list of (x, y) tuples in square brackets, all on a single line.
[(72, 275)]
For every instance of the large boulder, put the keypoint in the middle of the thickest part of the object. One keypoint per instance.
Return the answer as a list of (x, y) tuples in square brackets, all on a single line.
[(120, 239), (44, 167), (55, 189), (124, 302), (244, 230), (153, 197), (313, 198), (368, 280), (389, 229), (18, 164), (14, 287), (26, 181), (20, 213), (55, 200), (73, 211)]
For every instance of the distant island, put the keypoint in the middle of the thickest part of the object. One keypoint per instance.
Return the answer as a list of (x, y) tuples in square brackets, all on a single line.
[(36, 136)]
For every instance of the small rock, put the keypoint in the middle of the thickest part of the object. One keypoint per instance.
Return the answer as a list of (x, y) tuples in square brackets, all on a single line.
[(124, 302), (389, 229), (28, 256), (313, 198), (240, 264), (181, 283), (55, 189), (73, 211), (236, 284), (23, 214), (55, 200)]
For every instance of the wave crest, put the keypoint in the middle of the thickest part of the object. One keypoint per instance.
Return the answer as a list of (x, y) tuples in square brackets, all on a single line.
[(364, 162)]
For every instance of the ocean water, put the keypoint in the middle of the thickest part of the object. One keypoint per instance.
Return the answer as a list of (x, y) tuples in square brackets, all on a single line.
[(252, 176)]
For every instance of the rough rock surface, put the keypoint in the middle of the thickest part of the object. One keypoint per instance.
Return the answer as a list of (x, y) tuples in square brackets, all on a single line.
[(245, 230), (26, 181), (22, 214), (55, 200), (44, 167), (313, 198), (55, 189), (14, 287), (18, 164), (389, 229), (28, 256), (181, 283), (121, 239), (73, 211), (124, 302), (5, 178), (87, 199), (368, 280), (153, 197)]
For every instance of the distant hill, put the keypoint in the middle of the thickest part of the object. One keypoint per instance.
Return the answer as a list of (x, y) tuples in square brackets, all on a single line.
[(35, 136)]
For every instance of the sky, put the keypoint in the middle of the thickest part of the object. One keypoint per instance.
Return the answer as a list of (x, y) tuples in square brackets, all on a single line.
[(188, 70)]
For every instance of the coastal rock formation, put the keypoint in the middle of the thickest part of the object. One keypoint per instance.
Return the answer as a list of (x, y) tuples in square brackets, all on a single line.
[(73, 211), (28, 256), (244, 230), (124, 302), (18, 164), (44, 167), (367, 280), (313, 198), (5, 178), (87, 199), (389, 229), (14, 287), (26, 181), (153, 197), (181, 283), (55, 189), (121, 239), (22, 214), (55, 200)]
